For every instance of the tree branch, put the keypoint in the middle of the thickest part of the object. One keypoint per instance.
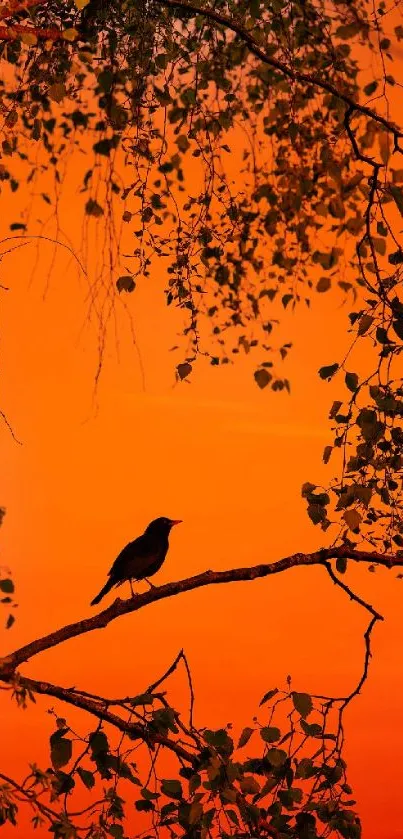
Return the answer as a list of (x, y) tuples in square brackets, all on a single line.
[(376, 616), (352, 596), (292, 74), (368, 654), (9, 664), (14, 7), (30, 797), (10, 33), (99, 709)]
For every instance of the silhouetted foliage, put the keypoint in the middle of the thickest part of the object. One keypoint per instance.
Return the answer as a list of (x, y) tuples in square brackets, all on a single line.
[(248, 148)]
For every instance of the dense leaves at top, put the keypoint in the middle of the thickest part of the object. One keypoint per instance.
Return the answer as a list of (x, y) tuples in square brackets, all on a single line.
[(240, 175)]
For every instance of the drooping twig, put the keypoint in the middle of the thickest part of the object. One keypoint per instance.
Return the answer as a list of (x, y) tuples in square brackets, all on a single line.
[(180, 657), (9, 427), (351, 593), (39, 236), (367, 658)]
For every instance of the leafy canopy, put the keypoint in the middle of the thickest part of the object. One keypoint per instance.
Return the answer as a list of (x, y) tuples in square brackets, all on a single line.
[(238, 128)]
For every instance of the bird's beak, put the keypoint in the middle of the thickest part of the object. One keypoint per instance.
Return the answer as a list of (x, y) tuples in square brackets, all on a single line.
[(175, 521)]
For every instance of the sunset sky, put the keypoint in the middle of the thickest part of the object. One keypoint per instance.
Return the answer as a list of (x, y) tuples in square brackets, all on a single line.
[(218, 453)]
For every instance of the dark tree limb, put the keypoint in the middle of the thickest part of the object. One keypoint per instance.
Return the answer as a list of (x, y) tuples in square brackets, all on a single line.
[(120, 607), (99, 708), (294, 75)]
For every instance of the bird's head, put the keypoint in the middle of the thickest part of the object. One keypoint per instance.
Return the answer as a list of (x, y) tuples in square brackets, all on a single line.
[(162, 525)]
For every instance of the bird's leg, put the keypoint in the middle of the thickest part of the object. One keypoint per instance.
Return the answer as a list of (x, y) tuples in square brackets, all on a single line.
[(131, 587), (149, 583)]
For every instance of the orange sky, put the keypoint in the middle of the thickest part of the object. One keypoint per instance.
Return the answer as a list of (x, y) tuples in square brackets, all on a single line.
[(226, 458)]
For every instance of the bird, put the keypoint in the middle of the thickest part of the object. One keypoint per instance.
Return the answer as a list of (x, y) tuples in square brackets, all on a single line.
[(141, 558)]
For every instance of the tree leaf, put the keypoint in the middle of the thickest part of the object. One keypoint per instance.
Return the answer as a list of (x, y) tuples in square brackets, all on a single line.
[(148, 795), (70, 34), (245, 737), (398, 197), (172, 789), (125, 283), (379, 245), (312, 730), (116, 830), (104, 147), (364, 324), (262, 377), (329, 371), (98, 743), (302, 703), (87, 777), (269, 695), (182, 142), (57, 91), (396, 258), (351, 380), (323, 284), (317, 513), (370, 88), (306, 768), (249, 785), (61, 749), (352, 518), (307, 488), (232, 816), (184, 370), (195, 812), (92, 208), (7, 586), (398, 327), (142, 805), (270, 734), (277, 757), (341, 564)]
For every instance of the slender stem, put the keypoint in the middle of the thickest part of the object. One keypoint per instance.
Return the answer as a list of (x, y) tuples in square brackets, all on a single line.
[(351, 594)]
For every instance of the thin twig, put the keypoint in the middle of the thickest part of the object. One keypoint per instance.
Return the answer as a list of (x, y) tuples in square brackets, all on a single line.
[(351, 594)]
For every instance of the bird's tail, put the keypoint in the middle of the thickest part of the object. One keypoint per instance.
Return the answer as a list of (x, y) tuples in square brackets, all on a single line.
[(107, 587)]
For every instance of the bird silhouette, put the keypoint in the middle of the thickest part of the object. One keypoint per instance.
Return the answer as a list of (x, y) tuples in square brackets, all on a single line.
[(141, 558)]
